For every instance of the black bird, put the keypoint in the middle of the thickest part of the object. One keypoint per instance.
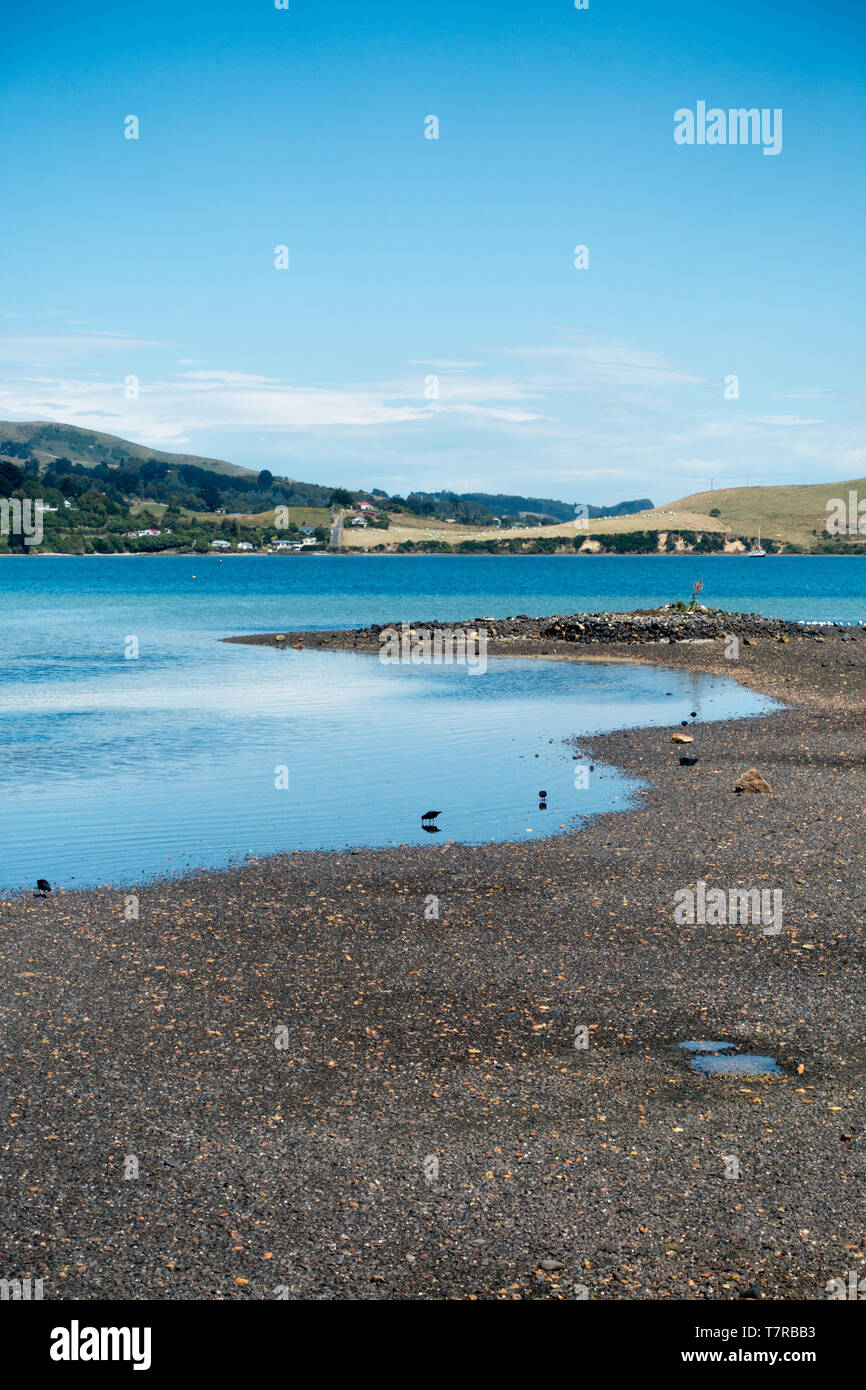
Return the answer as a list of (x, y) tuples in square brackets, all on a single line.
[(43, 888), (687, 762), (542, 796), (430, 815), (694, 714), (684, 723)]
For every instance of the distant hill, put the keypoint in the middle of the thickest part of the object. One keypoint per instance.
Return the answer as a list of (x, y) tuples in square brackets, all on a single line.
[(48, 441), (136, 471), (643, 504), (511, 504), (93, 470), (157, 471), (784, 513), (79, 492)]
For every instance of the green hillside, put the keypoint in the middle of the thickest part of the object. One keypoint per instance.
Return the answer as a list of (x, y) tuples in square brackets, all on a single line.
[(104, 495), (796, 513), (139, 473), (48, 441)]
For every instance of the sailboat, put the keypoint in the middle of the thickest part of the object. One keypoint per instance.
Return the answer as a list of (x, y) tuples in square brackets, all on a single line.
[(758, 549)]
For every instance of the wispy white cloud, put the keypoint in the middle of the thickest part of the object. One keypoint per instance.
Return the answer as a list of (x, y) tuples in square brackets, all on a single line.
[(567, 474), (809, 393), (212, 380), (178, 407), (700, 465), (577, 413), (35, 349), (589, 365), (785, 421), (441, 362)]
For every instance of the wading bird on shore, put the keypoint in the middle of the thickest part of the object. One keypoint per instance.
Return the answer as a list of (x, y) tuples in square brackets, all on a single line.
[(43, 888)]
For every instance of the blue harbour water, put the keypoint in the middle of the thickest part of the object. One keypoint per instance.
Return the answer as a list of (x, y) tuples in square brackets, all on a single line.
[(118, 770)]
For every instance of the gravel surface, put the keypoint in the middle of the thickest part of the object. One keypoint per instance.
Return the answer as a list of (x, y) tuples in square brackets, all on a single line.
[(332, 1093), (649, 625)]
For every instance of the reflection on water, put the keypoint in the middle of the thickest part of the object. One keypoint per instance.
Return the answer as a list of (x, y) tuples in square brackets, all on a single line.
[(199, 752)]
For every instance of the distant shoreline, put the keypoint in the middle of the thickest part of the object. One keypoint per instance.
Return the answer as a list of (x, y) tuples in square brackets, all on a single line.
[(426, 555)]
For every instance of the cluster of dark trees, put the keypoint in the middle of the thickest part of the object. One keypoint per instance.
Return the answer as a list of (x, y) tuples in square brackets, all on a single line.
[(479, 508), (90, 507), (198, 489), (441, 506)]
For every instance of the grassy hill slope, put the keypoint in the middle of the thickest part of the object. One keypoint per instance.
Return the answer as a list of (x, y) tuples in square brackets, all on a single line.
[(48, 441), (783, 513)]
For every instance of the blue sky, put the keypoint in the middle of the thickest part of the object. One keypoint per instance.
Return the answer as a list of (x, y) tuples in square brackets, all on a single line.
[(453, 258)]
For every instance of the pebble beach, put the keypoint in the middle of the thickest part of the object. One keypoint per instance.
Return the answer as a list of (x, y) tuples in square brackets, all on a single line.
[(296, 1079)]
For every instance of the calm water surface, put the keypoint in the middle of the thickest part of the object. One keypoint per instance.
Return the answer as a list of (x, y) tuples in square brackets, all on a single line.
[(117, 770)]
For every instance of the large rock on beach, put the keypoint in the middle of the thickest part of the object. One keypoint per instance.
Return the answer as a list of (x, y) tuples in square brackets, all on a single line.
[(752, 781)]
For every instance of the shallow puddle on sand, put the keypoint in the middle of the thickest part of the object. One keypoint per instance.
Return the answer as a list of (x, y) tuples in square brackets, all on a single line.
[(722, 1059)]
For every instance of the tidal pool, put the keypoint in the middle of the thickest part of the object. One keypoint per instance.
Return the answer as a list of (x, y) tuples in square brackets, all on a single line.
[(198, 752)]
